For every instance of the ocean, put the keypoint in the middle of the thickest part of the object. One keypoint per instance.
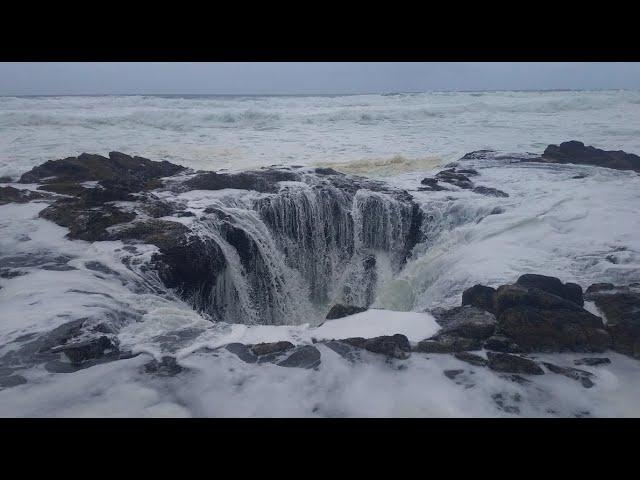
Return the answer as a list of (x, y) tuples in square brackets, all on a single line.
[(578, 223)]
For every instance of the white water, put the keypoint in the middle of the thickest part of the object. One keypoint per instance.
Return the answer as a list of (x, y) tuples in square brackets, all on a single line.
[(552, 224)]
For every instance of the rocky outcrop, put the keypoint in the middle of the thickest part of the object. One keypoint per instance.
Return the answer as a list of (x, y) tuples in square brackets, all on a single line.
[(283, 354), (466, 321), (506, 363), (480, 296), (576, 152), (621, 307), (340, 311), (447, 344), (120, 168), (394, 346), (16, 195), (265, 181), (459, 178), (581, 376)]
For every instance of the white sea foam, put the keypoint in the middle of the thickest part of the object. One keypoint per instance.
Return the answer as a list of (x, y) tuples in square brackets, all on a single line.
[(552, 223)]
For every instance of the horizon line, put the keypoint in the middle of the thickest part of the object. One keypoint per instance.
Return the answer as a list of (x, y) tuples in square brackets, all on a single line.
[(389, 93)]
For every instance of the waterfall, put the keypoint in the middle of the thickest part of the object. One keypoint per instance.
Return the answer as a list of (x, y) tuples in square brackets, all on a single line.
[(289, 256)]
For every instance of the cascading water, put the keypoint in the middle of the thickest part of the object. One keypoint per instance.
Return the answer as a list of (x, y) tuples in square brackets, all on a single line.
[(289, 256)]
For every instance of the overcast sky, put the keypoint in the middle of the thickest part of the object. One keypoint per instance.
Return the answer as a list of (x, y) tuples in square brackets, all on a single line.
[(303, 78)]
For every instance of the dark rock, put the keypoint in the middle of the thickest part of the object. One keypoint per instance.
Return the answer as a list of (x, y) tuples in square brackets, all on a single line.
[(471, 358), (89, 167), (306, 356), (327, 171), (504, 362), (491, 192), (481, 297), (265, 181), (508, 296), (242, 351), (340, 311), (269, 348), (621, 307), (576, 152), (166, 367), (15, 195), (553, 330), (504, 403), (345, 350), (6, 179), (431, 184), (597, 288), (458, 179), (396, 346), (582, 376), (569, 291), (87, 350), (500, 343), (466, 321), (85, 222), (451, 374), (448, 344), (592, 361), (468, 171)]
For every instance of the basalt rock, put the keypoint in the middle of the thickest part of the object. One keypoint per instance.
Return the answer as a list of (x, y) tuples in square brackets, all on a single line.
[(90, 167), (448, 344), (489, 191), (576, 152), (471, 358), (553, 329), (568, 291), (581, 376), (500, 343), (340, 311), (481, 297), (621, 307), (15, 195), (466, 321), (265, 181), (395, 346), (269, 348), (503, 362), (454, 178)]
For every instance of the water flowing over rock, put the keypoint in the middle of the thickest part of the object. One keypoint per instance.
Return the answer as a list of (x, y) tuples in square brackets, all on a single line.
[(282, 250)]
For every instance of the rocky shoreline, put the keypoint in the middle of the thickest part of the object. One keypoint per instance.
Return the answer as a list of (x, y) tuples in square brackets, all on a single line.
[(137, 201)]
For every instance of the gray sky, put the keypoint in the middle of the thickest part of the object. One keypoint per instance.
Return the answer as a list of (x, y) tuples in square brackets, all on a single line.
[(306, 78)]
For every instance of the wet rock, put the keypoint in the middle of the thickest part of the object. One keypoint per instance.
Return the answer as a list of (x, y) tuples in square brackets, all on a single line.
[(431, 184), (621, 307), (87, 350), (568, 291), (506, 363), (553, 330), (242, 351), (306, 356), (451, 374), (83, 221), (505, 402), (576, 152), (395, 346), (582, 376), (500, 343), (466, 321), (269, 348), (6, 179), (15, 195), (89, 167), (327, 171), (265, 181), (471, 358), (481, 297), (166, 367), (491, 192), (448, 344), (454, 178), (592, 361), (340, 311)]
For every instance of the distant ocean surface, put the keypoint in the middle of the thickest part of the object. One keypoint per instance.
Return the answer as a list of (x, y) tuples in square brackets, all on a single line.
[(380, 132)]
